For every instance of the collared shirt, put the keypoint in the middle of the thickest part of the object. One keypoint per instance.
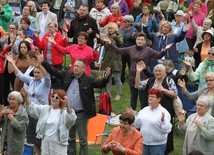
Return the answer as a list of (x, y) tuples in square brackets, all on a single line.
[(153, 130), (181, 46), (38, 89), (73, 94)]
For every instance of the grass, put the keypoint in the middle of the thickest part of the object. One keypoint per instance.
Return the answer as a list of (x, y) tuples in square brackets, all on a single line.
[(119, 107)]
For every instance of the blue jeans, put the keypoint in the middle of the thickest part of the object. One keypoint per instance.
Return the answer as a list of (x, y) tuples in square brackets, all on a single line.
[(81, 128), (134, 95), (154, 149)]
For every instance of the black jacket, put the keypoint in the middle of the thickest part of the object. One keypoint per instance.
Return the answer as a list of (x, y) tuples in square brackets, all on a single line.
[(86, 87), (78, 24)]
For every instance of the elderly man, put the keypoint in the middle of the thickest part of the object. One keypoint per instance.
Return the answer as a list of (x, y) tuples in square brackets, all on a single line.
[(83, 22)]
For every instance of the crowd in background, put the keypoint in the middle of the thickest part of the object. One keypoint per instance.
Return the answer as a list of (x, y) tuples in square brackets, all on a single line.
[(164, 49)]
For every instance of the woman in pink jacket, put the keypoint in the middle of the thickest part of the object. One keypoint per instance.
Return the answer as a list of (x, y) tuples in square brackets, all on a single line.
[(80, 50)]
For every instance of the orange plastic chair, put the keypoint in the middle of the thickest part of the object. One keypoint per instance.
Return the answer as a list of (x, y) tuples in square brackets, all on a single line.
[(96, 128)]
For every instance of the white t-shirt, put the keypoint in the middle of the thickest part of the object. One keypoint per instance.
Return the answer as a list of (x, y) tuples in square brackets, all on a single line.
[(51, 127)]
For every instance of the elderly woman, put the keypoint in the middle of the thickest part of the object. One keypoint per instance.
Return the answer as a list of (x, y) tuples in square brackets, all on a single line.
[(54, 122), (51, 55), (129, 34), (199, 128), (5, 14), (163, 38), (115, 17), (38, 88), (207, 91), (14, 121), (112, 59), (124, 139), (80, 50), (154, 124), (137, 52), (146, 16), (203, 68), (164, 84), (123, 7), (203, 47)]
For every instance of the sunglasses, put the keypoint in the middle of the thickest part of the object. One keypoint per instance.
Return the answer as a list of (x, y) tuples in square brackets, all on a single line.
[(56, 97), (210, 53)]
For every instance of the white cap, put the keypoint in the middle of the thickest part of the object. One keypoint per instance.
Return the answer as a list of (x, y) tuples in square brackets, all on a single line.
[(180, 13)]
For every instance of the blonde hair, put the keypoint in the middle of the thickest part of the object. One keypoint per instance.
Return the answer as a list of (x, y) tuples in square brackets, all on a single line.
[(116, 6), (161, 26), (113, 25), (161, 66)]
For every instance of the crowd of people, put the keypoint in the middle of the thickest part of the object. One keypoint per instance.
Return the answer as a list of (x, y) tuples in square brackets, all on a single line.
[(168, 47)]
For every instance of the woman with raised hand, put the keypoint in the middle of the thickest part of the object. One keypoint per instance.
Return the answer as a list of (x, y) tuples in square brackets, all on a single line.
[(199, 128), (80, 50), (165, 85), (54, 122), (207, 90)]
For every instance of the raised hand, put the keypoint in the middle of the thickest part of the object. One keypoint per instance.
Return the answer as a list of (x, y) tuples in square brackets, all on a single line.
[(9, 57), (106, 39), (181, 117), (168, 46), (130, 110), (140, 66), (188, 63), (51, 39), (181, 83)]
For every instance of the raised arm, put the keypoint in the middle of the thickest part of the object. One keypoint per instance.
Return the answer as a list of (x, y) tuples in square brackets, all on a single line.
[(64, 50)]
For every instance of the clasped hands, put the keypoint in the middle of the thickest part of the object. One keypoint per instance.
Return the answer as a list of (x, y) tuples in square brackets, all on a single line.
[(113, 145)]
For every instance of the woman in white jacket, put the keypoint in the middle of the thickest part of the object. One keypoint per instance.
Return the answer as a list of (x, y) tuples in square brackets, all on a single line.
[(54, 123)]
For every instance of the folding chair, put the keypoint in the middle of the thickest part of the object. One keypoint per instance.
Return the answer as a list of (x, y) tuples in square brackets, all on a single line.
[(96, 128)]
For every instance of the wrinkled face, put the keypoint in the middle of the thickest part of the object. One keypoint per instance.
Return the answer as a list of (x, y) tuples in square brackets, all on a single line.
[(12, 29), (26, 11), (178, 18), (210, 81), (145, 10), (45, 8), (13, 102), (99, 5), (206, 26), (201, 108), (114, 10), (159, 72), (23, 49), (210, 55), (165, 29), (79, 68), (153, 100), (125, 126), (140, 41), (55, 99), (37, 74), (3, 2), (81, 40), (127, 23), (83, 11), (52, 28), (111, 30), (196, 8)]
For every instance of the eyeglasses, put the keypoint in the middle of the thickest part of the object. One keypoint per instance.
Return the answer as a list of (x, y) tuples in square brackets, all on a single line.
[(12, 28), (56, 97), (209, 53)]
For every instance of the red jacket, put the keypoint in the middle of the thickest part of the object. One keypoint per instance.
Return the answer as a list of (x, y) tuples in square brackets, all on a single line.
[(57, 57), (2, 58), (112, 18), (79, 51)]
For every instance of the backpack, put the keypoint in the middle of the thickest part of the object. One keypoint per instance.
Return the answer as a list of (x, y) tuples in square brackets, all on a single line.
[(105, 104)]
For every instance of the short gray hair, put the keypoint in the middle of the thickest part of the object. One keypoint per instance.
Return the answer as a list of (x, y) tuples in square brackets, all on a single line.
[(17, 95), (128, 18), (207, 20), (205, 99)]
